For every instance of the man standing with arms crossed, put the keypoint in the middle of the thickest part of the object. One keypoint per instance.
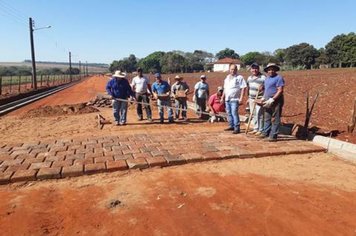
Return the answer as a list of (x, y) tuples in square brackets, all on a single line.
[(140, 84), (234, 90)]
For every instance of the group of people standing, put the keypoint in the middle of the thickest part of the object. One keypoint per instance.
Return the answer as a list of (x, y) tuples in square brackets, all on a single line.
[(265, 98)]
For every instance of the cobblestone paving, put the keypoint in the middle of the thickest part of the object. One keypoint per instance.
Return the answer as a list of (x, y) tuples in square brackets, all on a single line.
[(75, 157)]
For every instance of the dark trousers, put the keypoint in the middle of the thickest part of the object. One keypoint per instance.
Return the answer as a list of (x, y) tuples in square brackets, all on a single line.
[(145, 99), (272, 118)]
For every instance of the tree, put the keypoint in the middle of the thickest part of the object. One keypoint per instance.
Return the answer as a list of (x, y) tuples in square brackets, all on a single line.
[(227, 52), (341, 50), (302, 54), (128, 64), (322, 59), (172, 63), (252, 57), (151, 63), (280, 54)]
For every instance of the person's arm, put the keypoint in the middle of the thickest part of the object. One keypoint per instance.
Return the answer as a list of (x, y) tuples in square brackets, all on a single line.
[(242, 95), (278, 94), (108, 88), (187, 89), (210, 104)]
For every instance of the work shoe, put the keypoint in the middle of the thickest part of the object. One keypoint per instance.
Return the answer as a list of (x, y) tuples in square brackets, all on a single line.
[(252, 132), (229, 129), (258, 133), (236, 132), (139, 118), (271, 139), (117, 123), (149, 119), (262, 136)]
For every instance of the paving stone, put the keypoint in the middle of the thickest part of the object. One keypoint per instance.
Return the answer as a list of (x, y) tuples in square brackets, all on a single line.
[(123, 157), (116, 165), (34, 160), (74, 147), (71, 171), (142, 155), (61, 148), (23, 175), (54, 158), (65, 153), (157, 161), (94, 155), (103, 159), (5, 177), (23, 166), (211, 156), (11, 162), (36, 166), (62, 163), (20, 152), (129, 151), (94, 168), (84, 161), (175, 159), (79, 156), (139, 163), (49, 173), (192, 157)]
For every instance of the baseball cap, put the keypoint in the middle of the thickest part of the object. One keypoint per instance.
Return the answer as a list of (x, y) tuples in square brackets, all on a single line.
[(158, 75)]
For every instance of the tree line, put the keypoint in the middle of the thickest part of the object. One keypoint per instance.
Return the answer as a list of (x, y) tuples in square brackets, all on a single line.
[(339, 52), (27, 71)]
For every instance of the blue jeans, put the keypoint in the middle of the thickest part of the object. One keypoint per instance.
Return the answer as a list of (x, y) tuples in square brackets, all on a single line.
[(119, 109), (181, 104), (273, 119), (233, 118), (161, 104)]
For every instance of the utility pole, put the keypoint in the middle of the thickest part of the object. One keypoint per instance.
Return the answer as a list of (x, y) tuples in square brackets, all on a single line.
[(34, 77), (70, 66)]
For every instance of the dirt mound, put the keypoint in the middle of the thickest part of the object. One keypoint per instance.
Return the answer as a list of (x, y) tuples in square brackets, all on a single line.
[(58, 110)]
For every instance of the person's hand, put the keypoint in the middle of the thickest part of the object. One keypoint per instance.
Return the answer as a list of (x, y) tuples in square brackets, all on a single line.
[(240, 102), (268, 103)]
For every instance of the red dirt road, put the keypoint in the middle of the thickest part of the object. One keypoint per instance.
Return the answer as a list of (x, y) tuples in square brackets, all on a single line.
[(271, 196), (311, 194)]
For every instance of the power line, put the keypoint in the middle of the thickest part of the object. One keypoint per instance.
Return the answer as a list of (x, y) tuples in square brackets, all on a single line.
[(14, 11)]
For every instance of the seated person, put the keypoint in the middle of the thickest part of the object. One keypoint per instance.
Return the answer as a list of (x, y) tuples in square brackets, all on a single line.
[(216, 106)]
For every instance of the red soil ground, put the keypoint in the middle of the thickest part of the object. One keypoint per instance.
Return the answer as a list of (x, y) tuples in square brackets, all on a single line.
[(311, 194)]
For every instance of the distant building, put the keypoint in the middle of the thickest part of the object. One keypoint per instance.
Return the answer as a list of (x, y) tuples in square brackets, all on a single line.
[(222, 65)]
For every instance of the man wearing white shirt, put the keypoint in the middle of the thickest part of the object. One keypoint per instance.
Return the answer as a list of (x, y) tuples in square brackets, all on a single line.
[(234, 91), (140, 84)]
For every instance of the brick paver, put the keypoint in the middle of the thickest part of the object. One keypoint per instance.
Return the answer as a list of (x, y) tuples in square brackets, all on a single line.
[(76, 157)]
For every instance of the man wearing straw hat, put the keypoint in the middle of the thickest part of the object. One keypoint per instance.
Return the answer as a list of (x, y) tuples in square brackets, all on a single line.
[(119, 89), (180, 90), (272, 102), (255, 91)]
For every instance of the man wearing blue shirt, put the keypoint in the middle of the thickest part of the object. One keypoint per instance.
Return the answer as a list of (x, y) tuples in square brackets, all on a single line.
[(161, 91), (119, 89), (272, 101)]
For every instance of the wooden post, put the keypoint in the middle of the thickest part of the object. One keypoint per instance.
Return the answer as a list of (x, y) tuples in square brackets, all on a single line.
[(19, 90), (0, 85), (351, 126), (10, 83), (41, 80)]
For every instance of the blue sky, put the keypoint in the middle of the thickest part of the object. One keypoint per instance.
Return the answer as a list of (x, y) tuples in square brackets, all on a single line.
[(107, 30)]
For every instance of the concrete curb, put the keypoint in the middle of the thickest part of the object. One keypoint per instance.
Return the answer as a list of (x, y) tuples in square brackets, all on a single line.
[(340, 148)]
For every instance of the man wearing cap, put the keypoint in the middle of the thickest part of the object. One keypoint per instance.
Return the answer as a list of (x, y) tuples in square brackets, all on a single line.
[(215, 105), (161, 90), (180, 90), (119, 89), (272, 101), (140, 84), (201, 93), (255, 90), (234, 90)]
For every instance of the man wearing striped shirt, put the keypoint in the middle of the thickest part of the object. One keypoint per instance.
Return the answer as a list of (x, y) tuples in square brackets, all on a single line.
[(254, 85)]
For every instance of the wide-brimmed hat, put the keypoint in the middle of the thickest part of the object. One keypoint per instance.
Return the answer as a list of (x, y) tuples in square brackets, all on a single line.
[(203, 76), (269, 65), (119, 74), (220, 88), (177, 77)]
